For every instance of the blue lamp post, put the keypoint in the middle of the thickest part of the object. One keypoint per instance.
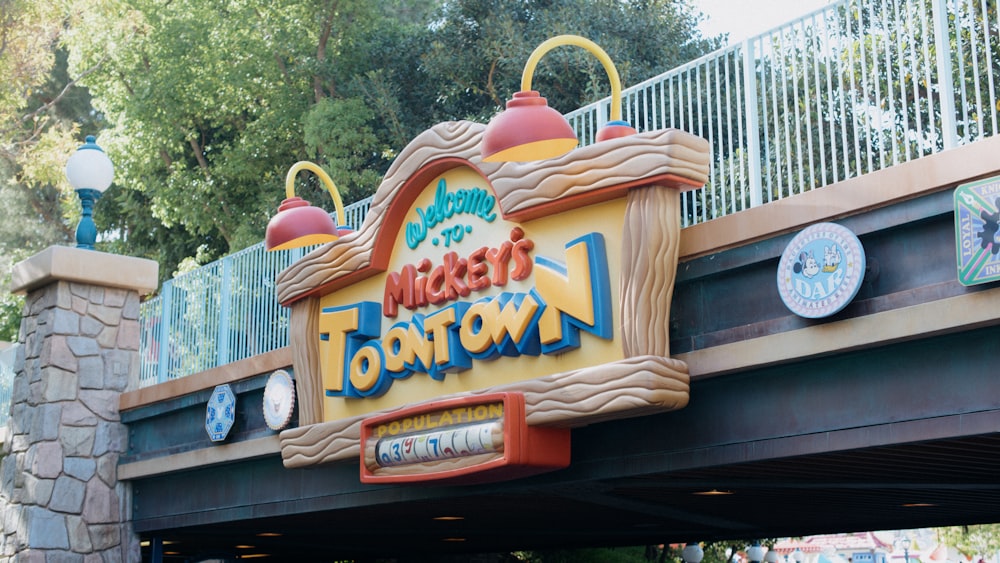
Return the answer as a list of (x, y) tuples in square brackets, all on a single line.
[(90, 172)]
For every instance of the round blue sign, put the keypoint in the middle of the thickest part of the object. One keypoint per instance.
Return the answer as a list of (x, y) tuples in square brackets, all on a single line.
[(821, 270), (220, 413)]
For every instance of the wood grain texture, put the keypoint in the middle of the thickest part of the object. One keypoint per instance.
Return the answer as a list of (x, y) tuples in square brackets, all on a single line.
[(623, 389), (631, 387), (322, 442), (303, 329), (650, 245)]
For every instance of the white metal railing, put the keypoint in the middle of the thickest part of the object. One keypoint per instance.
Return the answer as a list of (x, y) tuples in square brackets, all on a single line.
[(222, 312), (843, 91)]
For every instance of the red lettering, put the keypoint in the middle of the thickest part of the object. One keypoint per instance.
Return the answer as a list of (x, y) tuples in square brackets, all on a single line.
[(418, 286), (478, 270), (454, 276), (435, 292), (399, 288), (522, 260), (423, 267), (498, 258)]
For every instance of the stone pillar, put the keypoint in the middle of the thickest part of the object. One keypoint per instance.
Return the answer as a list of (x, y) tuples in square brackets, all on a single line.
[(60, 498)]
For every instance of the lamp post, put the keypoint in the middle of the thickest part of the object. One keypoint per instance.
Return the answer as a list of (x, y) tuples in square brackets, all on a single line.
[(530, 130), (692, 553), (297, 223), (90, 172), (906, 542), (756, 553)]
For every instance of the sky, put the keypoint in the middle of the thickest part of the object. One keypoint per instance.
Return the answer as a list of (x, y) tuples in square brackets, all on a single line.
[(746, 18)]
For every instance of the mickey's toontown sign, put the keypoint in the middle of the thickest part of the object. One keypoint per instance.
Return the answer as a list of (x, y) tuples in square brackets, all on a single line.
[(484, 309)]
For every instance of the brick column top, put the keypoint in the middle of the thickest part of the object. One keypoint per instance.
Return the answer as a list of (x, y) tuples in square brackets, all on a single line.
[(65, 263)]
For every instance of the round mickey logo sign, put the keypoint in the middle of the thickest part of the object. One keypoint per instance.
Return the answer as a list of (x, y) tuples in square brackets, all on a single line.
[(821, 270)]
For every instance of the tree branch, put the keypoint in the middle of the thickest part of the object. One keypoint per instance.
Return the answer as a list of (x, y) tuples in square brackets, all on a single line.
[(48, 105), (324, 39), (199, 155)]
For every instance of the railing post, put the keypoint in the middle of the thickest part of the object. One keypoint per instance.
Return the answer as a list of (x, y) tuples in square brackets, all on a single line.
[(163, 338), (946, 85), (603, 110), (225, 299), (752, 124)]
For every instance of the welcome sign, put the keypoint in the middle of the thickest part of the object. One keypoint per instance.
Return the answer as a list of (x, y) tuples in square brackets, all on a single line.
[(470, 277), (474, 289)]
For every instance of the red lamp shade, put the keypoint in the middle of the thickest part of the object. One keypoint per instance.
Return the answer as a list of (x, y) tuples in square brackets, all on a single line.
[(299, 224), (527, 130), (615, 129)]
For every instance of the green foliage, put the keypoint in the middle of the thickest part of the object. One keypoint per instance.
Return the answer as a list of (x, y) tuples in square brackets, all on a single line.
[(479, 48), (976, 540), (340, 131), (39, 118), (10, 317)]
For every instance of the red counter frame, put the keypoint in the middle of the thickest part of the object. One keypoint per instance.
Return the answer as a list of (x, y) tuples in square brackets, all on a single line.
[(524, 450)]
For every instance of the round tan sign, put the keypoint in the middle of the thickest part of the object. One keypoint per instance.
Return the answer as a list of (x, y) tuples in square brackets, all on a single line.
[(279, 400)]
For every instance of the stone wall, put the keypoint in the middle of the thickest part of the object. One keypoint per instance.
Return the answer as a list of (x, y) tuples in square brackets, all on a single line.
[(59, 493)]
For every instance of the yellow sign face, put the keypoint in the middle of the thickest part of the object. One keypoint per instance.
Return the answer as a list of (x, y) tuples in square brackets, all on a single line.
[(471, 301)]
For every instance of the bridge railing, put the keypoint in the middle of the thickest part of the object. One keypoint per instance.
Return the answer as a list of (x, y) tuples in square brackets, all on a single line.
[(843, 91), (219, 313)]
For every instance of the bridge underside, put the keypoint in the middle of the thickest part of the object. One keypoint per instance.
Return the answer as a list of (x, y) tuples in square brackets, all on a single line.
[(864, 441), (885, 416)]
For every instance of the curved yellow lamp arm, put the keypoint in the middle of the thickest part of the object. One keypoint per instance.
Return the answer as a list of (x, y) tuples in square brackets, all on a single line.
[(315, 169), (592, 48)]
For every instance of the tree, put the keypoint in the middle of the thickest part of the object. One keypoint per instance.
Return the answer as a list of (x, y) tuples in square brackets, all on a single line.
[(977, 540), (479, 48), (42, 112), (211, 102)]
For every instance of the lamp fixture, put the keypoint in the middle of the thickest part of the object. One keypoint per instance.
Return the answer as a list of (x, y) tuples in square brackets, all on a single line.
[(712, 493), (297, 223), (756, 553), (692, 553), (90, 172), (906, 543), (528, 129)]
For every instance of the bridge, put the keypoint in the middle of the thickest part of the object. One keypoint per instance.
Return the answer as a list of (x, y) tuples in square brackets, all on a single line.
[(882, 414)]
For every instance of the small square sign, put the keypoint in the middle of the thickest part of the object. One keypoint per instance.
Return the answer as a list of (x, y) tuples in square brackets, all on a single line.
[(977, 220)]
